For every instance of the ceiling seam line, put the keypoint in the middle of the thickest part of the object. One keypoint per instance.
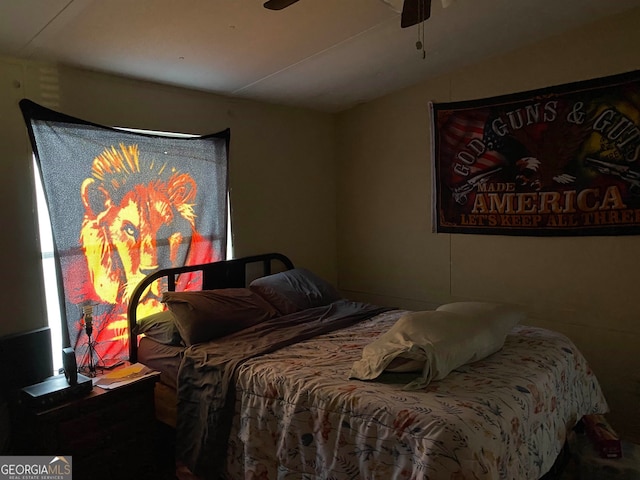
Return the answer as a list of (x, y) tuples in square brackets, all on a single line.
[(312, 56), (37, 34)]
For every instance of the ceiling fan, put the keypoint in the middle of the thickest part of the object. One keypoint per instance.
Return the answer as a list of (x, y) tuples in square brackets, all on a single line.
[(413, 11)]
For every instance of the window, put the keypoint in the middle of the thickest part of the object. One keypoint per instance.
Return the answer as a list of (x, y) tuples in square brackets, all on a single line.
[(49, 267), (49, 272), (121, 205)]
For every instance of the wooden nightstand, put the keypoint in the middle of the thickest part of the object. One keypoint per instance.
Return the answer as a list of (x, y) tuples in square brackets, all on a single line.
[(108, 433)]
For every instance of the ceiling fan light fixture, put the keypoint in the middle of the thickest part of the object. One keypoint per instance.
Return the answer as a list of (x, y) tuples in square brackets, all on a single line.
[(395, 5), (415, 12)]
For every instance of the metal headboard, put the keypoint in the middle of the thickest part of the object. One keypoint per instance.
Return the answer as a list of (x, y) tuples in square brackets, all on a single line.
[(224, 274)]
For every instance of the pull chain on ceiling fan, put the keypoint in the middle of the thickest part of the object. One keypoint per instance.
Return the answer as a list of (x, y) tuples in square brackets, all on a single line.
[(414, 12)]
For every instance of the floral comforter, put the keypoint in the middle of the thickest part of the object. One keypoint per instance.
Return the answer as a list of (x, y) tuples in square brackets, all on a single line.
[(504, 417)]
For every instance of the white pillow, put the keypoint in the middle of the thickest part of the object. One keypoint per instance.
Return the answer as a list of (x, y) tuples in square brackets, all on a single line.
[(479, 309), (440, 340)]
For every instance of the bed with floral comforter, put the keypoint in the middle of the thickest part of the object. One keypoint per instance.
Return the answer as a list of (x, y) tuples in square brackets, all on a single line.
[(298, 415)]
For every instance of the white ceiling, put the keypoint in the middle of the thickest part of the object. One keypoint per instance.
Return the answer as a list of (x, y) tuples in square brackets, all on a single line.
[(323, 54)]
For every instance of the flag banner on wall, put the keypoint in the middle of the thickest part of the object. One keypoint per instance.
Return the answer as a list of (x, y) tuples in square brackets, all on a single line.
[(562, 160), (123, 205)]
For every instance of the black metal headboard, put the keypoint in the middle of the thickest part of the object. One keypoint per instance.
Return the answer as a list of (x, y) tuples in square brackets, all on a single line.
[(224, 274)]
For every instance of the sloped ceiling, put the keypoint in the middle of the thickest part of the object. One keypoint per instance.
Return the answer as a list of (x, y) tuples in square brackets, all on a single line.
[(322, 54)]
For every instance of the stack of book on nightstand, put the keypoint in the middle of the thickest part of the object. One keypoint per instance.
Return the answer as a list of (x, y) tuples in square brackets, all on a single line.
[(124, 376)]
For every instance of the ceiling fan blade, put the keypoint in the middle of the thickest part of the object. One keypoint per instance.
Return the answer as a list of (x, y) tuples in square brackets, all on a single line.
[(278, 4), (415, 12)]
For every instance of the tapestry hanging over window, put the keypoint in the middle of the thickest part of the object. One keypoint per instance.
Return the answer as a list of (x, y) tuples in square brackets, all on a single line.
[(563, 160), (122, 205)]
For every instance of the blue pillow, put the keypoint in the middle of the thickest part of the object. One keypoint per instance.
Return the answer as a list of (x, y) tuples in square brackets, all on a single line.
[(294, 290)]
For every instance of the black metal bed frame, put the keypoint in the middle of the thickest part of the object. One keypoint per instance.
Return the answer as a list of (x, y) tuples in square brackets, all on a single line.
[(223, 274)]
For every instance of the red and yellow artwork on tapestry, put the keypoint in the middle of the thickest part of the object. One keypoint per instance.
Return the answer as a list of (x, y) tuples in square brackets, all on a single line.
[(123, 204), (138, 217)]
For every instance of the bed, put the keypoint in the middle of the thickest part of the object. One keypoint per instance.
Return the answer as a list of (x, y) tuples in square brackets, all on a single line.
[(274, 395)]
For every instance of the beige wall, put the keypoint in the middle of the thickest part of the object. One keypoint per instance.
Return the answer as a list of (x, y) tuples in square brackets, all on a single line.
[(585, 287), (21, 298), (282, 169)]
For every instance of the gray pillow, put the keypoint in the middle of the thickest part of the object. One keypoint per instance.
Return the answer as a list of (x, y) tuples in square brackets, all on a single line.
[(204, 315), (294, 290)]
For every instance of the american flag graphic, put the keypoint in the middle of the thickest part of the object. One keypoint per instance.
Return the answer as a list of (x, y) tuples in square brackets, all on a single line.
[(459, 131)]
